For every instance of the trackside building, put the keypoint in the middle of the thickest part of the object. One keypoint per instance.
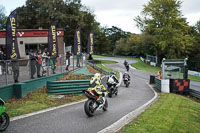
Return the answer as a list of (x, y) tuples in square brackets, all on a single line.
[(33, 39)]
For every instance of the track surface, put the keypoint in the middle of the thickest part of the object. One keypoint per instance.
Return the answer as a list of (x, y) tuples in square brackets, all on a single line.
[(72, 119)]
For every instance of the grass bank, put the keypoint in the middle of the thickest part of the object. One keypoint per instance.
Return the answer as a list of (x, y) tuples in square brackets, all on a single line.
[(39, 100), (170, 114), (106, 68)]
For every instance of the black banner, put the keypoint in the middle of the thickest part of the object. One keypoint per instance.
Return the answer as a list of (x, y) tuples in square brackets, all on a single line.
[(12, 51), (77, 42), (52, 40), (90, 48)]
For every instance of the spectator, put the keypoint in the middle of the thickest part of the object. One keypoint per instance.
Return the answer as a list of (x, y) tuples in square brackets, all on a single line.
[(159, 75), (38, 62), (33, 58), (15, 69), (67, 60), (53, 64)]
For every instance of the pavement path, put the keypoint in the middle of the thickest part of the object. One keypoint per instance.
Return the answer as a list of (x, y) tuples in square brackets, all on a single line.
[(72, 118)]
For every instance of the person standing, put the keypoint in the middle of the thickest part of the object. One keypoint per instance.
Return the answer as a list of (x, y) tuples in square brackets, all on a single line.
[(38, 62), (15, 69), (32, 57), (67, 60)]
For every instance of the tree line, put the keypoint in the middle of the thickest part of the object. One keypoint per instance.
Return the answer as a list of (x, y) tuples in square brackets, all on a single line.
[(164, 30)]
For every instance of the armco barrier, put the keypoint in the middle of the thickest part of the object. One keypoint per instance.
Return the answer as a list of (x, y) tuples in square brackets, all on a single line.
[(67, 87), (194, 93)]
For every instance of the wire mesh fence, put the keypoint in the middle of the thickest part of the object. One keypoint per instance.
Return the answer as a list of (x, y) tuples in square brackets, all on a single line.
[(12, 71)]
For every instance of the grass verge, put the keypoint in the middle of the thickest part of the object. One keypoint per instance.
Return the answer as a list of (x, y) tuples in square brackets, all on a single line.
[(37, 100), (171, 113), (109, 70)]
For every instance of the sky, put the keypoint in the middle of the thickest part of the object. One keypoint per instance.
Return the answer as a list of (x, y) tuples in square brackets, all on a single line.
[(120, 13)]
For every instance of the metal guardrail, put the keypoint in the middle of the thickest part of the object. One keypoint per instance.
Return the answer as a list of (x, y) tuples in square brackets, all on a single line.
[(67, 87), (97, 68), (194, 93)]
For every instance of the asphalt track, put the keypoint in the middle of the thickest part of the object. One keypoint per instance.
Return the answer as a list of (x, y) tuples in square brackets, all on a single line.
[(72, 118)]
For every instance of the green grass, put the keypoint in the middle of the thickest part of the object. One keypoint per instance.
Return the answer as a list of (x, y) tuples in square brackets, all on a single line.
[(37, 101), (109, 70), (108, 62), (145, 67), (170, 114)]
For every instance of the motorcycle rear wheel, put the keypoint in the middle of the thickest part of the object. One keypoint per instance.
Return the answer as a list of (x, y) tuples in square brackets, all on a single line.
[(88, 107), (4, 121)]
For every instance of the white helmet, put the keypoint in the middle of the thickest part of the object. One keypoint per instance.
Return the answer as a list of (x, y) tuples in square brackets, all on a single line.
[(98, 76)]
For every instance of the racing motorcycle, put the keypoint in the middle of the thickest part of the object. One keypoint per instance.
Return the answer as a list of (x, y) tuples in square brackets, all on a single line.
[(126, 82), (94, 103), (112, 89), (4, 118)]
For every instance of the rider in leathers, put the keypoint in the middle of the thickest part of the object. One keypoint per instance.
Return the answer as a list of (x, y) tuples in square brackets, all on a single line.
[(113, 79), (96, 87)]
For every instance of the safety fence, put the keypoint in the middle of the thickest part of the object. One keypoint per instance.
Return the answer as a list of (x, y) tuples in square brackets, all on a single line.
[(194, 93), (97, 68), (67, 87), (12, 71)]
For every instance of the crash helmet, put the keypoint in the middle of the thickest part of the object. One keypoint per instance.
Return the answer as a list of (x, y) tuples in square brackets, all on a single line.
[(98, 76)]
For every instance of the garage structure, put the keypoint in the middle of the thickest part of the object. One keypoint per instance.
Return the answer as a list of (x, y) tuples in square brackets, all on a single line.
[(33, 39)]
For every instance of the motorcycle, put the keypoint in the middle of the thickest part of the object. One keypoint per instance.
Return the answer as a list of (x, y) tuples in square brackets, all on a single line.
[(4, 118), (127, 67), (93, 104), (112, 89), (126, 82)]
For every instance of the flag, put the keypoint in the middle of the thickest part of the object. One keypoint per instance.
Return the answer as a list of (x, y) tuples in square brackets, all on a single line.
[(12, 51), (90, 48), (77, 42), (52, 40)]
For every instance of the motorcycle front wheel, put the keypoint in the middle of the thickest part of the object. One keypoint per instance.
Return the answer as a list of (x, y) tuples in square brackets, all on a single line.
[(89, 108), (4, 121)]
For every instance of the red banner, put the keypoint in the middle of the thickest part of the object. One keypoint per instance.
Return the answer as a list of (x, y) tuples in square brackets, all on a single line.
[(32, 33)]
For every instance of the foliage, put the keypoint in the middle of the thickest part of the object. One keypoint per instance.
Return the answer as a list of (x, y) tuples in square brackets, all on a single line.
[(169, 31), (171, 113), (3, 18), (69, 14), (114, 34)]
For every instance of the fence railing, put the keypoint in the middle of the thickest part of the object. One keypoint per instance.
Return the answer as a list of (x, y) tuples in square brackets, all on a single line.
[(97, 68), (194, 93), (12, 71)]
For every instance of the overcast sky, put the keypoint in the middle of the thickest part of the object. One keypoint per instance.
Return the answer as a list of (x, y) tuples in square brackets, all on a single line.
[(120, 13)]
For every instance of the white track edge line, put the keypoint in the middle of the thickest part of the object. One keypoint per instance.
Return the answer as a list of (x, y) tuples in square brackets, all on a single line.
[(130, 116), (45, 110)]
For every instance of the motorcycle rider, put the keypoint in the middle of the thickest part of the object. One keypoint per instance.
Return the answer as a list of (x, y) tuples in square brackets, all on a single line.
[(126, 65), (96, 87), (112, 79), (126, 75)]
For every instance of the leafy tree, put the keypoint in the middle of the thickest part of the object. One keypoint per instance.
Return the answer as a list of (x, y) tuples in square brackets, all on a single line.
[(171, 35), (3, 18), (69, 14), (114, 34)]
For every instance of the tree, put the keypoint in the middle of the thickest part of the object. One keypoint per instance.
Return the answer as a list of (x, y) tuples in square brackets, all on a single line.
[(114, 34), (3, 18), (162, 19)]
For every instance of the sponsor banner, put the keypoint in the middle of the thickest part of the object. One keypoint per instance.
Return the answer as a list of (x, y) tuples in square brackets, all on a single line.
[(52, 40), (32, 33), (12, 51), (90, 48), (77, 42)]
